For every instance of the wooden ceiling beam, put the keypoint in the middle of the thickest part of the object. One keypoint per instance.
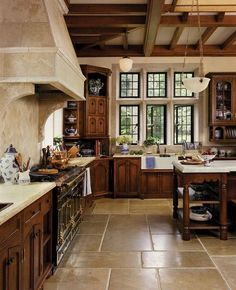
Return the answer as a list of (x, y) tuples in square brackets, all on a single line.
[(206, 20), (205, 8), (152, 25), (105, 21), (173, 5), (159, 50), (95, 30), (206, 35), (125, 41), (176, 37), (220, 16), (85, 39), (229, 41), (105, 9)]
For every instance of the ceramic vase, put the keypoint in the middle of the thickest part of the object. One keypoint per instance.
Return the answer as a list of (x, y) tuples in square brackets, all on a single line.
[(8, 168), (124, 148), (24, 177)]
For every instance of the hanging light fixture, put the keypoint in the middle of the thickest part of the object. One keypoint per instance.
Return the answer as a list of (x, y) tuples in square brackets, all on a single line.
[(125, 64), (200, 83)]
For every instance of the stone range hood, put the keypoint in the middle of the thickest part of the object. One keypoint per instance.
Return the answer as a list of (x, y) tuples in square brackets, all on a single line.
[(35, 48)]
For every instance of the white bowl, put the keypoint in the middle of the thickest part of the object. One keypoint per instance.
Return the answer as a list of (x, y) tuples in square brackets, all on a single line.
[(208, 158)]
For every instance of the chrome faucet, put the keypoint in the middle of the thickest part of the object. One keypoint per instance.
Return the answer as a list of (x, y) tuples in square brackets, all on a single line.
[(158, 148)]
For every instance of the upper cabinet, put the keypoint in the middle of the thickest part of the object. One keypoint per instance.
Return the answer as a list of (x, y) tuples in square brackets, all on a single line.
[(97, 101), (222, 107)]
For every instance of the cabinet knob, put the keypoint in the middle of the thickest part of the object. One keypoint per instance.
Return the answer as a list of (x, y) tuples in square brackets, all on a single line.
[(10, 261)]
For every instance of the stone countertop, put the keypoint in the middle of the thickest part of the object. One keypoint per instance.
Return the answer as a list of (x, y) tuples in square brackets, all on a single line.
[(80, 161), (21, 196), (117, 155), (217, 166)]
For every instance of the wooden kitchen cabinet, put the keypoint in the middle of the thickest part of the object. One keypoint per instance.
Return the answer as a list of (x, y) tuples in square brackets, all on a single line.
[(11, 254), (37, 242), (127, 177), (156, 184), (222, 107), (100, 177), (97, 101)]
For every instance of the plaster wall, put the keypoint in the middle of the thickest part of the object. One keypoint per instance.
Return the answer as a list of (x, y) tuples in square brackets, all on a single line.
[(19, 126)]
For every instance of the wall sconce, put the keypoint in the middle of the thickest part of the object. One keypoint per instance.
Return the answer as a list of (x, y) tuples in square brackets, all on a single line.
[(125, 64)]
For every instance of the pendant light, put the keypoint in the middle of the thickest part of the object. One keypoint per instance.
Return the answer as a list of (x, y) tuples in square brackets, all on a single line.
[(200, 83), (125, 64)]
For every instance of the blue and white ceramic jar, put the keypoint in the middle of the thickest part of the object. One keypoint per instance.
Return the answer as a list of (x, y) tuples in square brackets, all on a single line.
[(8, 166)]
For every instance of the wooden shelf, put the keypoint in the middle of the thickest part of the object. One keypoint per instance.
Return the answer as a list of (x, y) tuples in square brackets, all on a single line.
[(194, 201)]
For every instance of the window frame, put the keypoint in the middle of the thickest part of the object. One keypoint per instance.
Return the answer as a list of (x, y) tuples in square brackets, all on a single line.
[(165, 121), (192, 123), (178, 97), (147, 88), (129, 97), (130, 105)]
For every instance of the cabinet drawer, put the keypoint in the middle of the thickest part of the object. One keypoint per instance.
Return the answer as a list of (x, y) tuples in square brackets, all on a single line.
[(32, 211), (11, 228), (46, 202)]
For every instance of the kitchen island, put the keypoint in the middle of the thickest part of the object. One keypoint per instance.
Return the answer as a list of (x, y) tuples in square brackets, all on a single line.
[(184, 177)]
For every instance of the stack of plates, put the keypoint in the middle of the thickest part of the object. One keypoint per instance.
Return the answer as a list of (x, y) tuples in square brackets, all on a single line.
[(199, 213)]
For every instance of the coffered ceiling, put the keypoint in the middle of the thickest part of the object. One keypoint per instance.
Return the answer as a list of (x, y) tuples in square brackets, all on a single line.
[(151, 27)]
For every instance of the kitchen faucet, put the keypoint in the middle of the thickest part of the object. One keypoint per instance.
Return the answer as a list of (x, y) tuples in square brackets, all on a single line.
[(158, 148)]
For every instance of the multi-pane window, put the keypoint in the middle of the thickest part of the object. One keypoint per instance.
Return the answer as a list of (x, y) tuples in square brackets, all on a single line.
[(183, 122), (156, 85), (129, 121), (156, 122), (179, 90), (129, 85)]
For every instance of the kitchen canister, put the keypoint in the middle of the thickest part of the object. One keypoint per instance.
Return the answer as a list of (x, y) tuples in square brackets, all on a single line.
[(8, 166)]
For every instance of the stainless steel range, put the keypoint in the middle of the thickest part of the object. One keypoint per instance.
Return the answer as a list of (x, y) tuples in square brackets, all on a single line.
[(67, 210)]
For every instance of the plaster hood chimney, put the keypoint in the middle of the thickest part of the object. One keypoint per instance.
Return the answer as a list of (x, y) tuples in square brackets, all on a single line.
[(35, 46)]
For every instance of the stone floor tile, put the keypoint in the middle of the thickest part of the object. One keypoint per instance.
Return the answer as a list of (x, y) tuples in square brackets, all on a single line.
[(78, 279), (92, 228), (95, 218), (227, 267), (162, 224), (175, 259), (84, 243), (191, 279), (111, 208), (127, 233), (149, 202), (175, 243), (215, 246), (134, 279), (150, 209), (112, 201), (103, 260)]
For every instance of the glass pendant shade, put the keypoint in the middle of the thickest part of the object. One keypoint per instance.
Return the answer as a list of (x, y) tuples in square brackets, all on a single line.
[(196, 84), (125, 64)]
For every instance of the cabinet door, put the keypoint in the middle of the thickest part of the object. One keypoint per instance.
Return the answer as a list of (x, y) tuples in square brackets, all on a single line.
[(133, 176), (120, 177), (150, 185), (166, 184), (10, 266), (101, 106), (92, 105), (33, 257), (101, 126), (99, 176), (91, 125)]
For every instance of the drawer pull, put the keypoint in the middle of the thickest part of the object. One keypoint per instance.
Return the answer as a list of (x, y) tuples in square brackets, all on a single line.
[(33, 212)]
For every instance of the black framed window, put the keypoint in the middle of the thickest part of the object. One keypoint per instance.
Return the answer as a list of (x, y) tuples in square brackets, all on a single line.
[(183, 122), (129, 85), (156, 122), (156, 85), (129, 121), (179, 90)]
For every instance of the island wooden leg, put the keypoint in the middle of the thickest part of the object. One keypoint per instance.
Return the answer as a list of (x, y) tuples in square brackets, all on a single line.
[(186, 230), (223, 208), (175, 196)]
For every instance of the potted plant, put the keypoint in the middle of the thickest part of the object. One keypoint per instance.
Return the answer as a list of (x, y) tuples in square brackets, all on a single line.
[(124, 140), (149, 142)]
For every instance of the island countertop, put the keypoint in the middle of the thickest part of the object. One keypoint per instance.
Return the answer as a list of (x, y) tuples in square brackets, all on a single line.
[(21, 196), (217, 166)]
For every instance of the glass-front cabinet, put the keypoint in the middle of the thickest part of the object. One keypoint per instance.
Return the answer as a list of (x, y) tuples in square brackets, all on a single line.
[(222, 107)]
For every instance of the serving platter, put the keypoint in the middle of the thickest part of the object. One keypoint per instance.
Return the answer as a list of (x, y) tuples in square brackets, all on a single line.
[(191, 162)]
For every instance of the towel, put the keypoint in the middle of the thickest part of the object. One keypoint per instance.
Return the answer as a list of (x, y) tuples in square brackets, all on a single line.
[(150, 162), (87, 183)]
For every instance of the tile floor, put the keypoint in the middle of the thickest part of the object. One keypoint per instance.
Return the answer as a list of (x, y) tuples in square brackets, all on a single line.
[(132, 244)]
